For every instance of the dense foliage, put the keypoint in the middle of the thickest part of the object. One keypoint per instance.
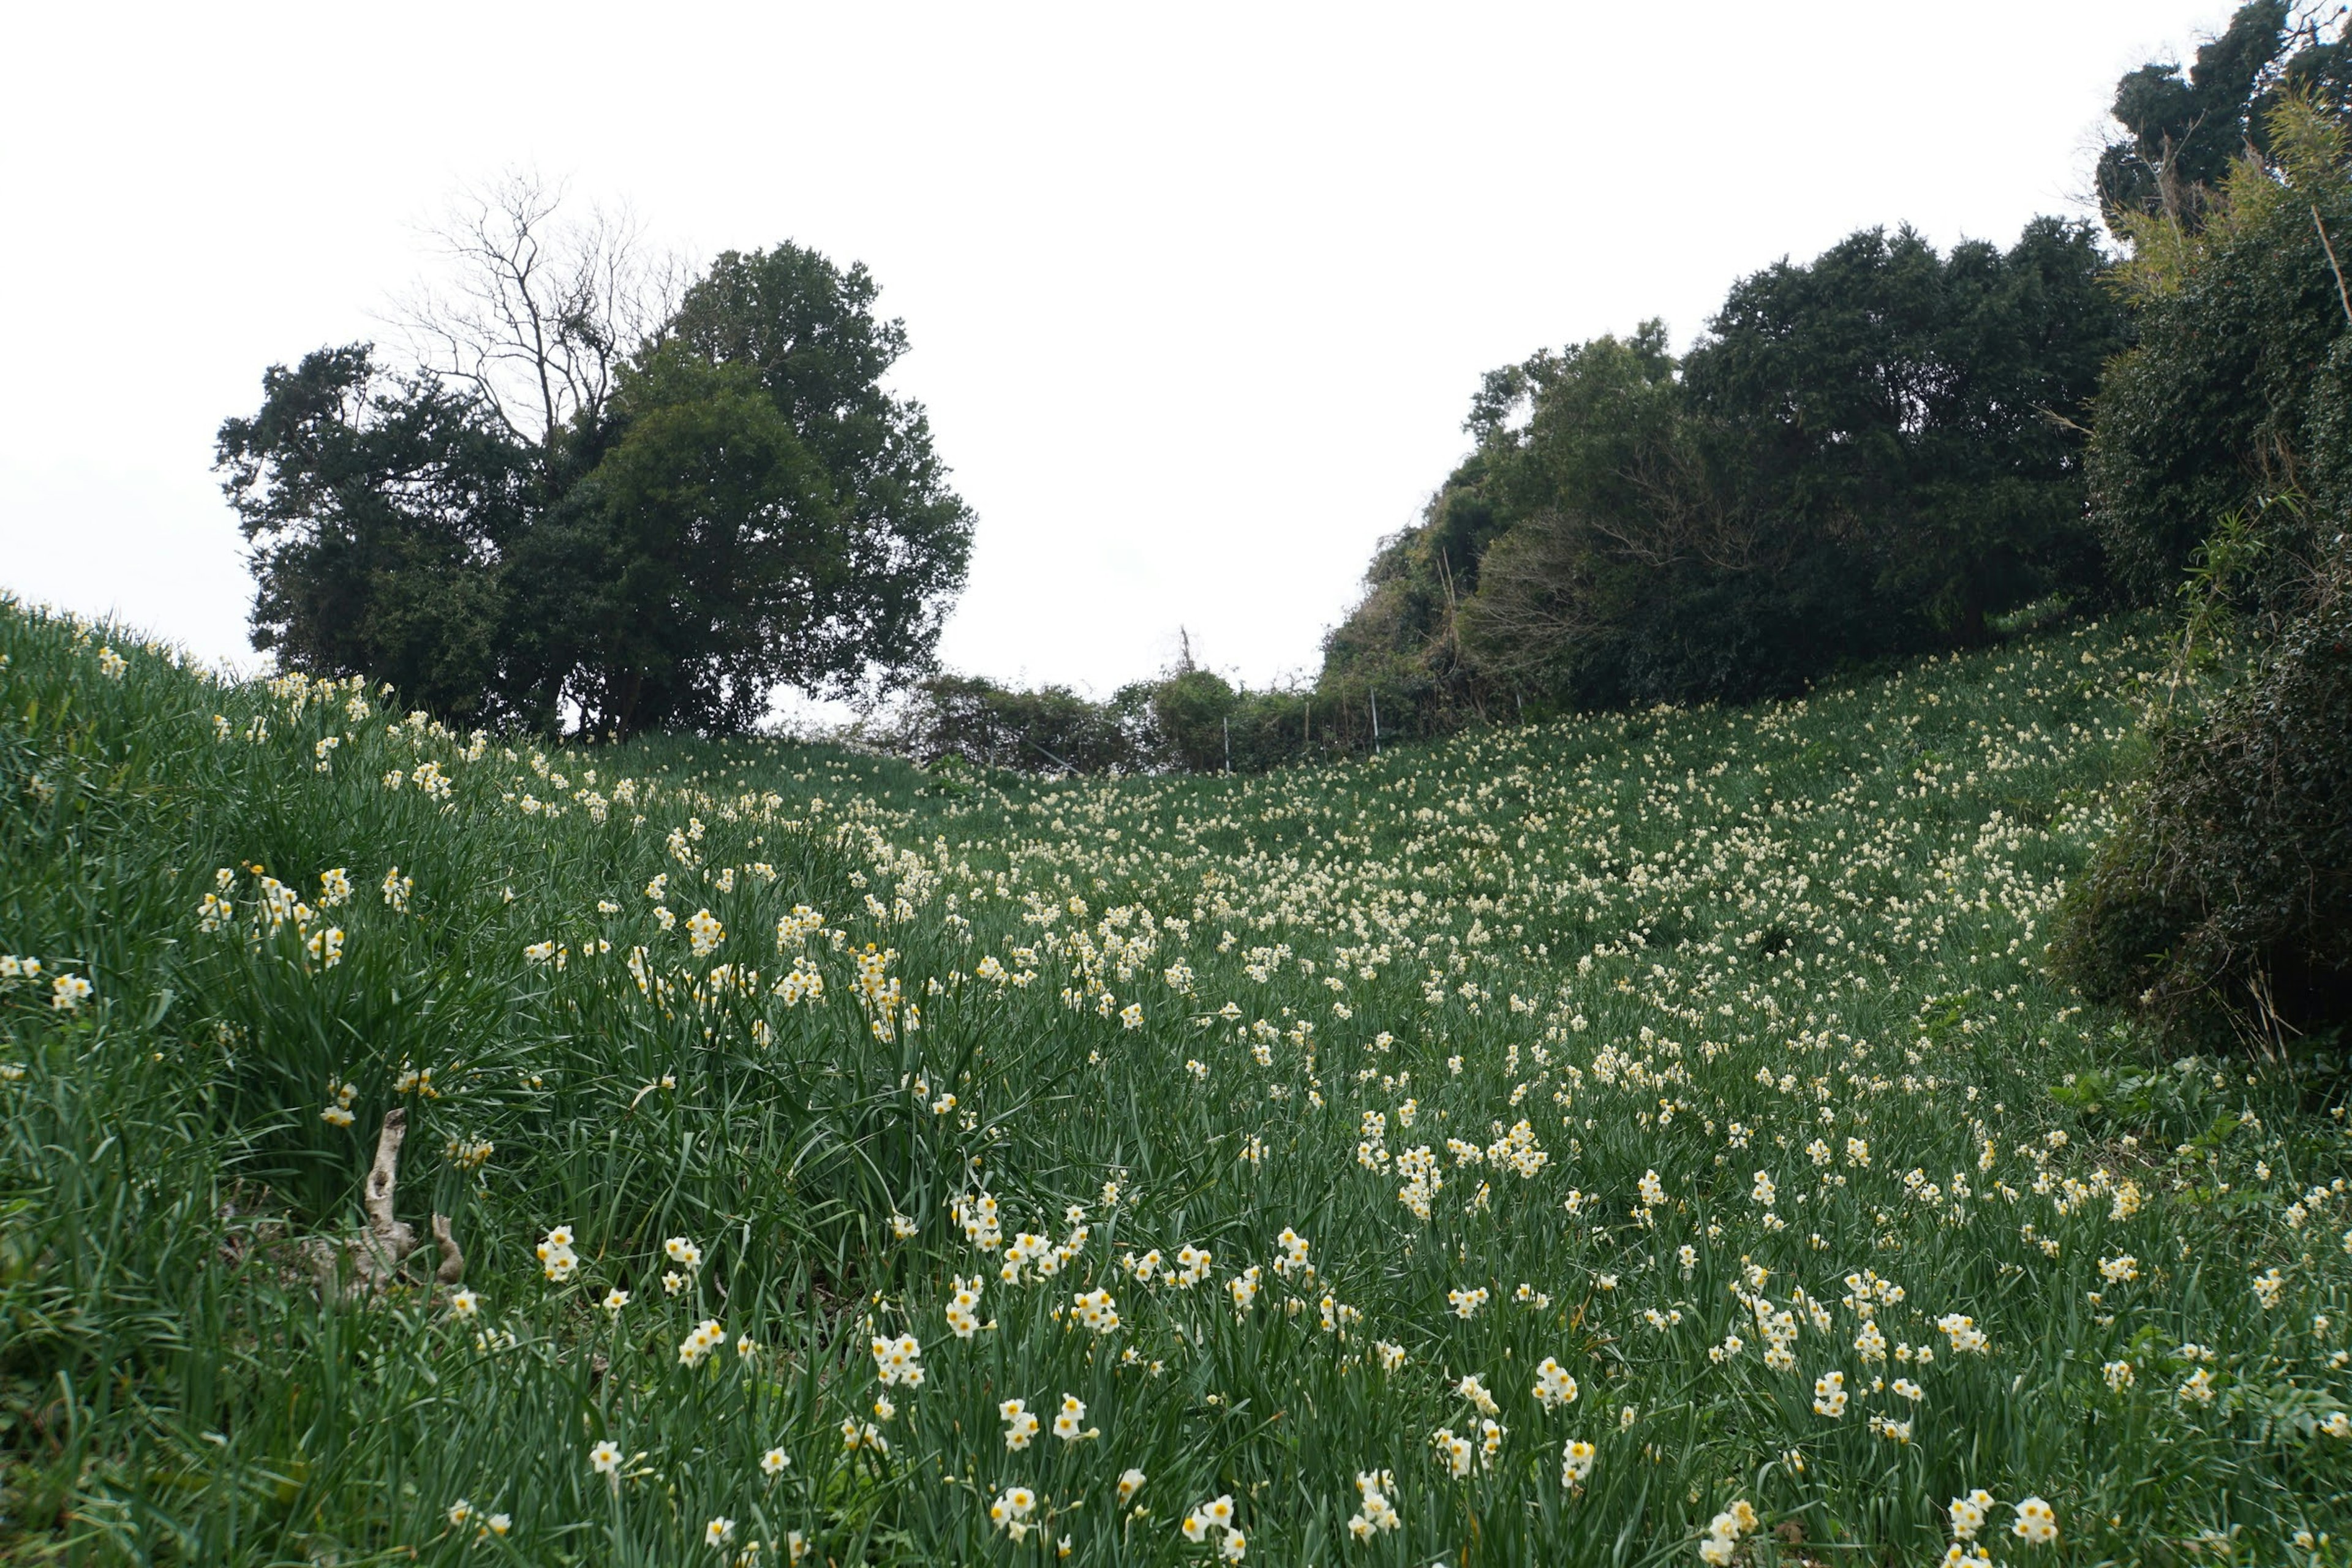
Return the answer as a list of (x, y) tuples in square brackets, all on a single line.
[(746, 508), (1870, 454), (1190, 720), (1596, 1141), (1873, 454), (2227, 897), (2238, 385), (376, 504), (2183, 132), (1047, 729)]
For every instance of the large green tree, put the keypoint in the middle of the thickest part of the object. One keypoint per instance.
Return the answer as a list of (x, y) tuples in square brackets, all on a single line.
[(1925, 411), (739, 505), (2182, 132), (378, 508), (699, 566), (805, 333)]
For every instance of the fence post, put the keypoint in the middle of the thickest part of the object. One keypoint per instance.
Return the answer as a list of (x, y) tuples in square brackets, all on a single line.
[(1376, 723)]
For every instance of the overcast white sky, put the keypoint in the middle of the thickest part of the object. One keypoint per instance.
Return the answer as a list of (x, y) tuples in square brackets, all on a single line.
[(1198, 294)]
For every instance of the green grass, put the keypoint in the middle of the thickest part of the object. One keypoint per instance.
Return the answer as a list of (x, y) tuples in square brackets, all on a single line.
[(1687, 946)]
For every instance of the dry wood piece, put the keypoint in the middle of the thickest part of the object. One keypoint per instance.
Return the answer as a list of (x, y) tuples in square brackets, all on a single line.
[(453, 1262), (379, 1258)]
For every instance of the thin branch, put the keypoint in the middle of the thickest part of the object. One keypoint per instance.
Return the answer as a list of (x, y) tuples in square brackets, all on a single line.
[(2060, 420), (2342, 294), (538, 313)]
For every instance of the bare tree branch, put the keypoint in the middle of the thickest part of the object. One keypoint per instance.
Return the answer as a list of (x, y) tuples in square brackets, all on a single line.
[(537, 310)]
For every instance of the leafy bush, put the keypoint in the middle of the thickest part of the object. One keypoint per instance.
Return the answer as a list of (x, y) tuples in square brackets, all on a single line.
[(2226, 899), (1189, 721), (2239, 384), (1050, 728), (1203, 723)]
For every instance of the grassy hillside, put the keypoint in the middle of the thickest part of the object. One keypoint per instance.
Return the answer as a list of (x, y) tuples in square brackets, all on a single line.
[(1642, 1139)]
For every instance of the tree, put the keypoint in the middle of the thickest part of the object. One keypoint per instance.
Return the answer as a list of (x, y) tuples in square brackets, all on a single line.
[(557, 525), (1870, 453), (1624, 521), (2230, 392), (701, 563), (378, 508), (1049, 729), (536, 313), (2222, 905), (762, 512), (807, 331), (1927, 411), (2182, 134)]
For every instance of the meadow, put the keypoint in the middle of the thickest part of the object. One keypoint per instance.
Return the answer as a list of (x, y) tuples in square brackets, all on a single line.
[(1642, 1137)]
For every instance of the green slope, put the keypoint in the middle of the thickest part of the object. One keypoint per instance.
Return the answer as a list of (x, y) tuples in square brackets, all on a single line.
[(1701, 1055)]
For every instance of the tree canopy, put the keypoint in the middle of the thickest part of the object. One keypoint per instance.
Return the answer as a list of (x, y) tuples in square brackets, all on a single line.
[(1872, 452), (735, 505), (2182, 132), (379, 508)]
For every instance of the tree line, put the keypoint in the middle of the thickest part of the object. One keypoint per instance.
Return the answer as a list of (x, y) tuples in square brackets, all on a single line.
[(1884, 451), (1872, 454), (1887, 451), (2220, 478), (1187, 720), (607, 497)]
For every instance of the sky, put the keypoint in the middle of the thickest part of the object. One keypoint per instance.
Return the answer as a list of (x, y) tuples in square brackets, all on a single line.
[(1197, 295)]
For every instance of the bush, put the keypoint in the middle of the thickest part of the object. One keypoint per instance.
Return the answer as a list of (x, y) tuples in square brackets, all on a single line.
[(1049, 730), (1190, 711), (2224, 904), (1189, 721), (2237, 387), (2227, 897)]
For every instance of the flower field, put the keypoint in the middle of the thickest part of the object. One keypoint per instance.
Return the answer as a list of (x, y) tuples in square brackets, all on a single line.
[(1645, 1138)]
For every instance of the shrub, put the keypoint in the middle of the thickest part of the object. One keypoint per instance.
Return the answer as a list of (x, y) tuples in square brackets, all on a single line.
[(2237, 387), (1048, 730), (2227, 897)]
